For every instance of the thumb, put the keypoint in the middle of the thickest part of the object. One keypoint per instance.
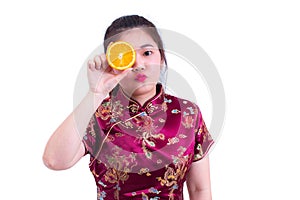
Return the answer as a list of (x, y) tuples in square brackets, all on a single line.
[(117, 78), (124, 73)]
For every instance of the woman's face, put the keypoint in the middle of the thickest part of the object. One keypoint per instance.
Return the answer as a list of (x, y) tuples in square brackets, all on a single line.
[(146, 69)]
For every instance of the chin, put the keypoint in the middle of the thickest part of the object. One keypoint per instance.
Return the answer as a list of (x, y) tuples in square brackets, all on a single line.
[(144, 88), (139, 89)]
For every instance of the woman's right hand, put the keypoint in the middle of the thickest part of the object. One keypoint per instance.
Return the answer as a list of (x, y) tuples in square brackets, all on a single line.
[(102, 78)]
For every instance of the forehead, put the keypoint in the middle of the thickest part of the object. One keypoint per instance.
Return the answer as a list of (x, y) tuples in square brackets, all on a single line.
[(137, 37)]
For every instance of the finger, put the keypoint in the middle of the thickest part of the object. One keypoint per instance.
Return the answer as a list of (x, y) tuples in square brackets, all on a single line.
[(98, 62), (103, 61), (115, 71), (91, 65)]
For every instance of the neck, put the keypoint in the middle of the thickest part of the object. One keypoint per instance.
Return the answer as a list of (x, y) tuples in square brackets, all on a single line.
[(142, 94), (142, 98)]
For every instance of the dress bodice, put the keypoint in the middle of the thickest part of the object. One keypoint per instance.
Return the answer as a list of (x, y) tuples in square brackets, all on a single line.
[(144, 151)]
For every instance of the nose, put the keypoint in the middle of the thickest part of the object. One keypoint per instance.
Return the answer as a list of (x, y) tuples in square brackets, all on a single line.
[(139, 64), (138, 68)]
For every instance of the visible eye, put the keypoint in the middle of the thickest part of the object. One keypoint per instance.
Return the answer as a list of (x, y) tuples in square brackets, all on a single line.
[(147, 53)]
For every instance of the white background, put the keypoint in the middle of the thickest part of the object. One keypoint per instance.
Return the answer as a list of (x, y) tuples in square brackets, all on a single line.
[(255, 46)]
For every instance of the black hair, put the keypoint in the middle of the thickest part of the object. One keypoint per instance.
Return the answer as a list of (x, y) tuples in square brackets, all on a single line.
[(129, 22)]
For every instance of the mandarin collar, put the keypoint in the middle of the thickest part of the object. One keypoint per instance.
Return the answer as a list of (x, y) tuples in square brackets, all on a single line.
[(134, 106)]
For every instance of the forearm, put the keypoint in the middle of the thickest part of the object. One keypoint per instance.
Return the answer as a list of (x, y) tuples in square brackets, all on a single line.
[(198, 180), (65, 142), (200, 195)]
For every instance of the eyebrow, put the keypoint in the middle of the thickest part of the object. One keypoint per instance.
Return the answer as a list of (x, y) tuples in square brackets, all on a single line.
[(146, 45)]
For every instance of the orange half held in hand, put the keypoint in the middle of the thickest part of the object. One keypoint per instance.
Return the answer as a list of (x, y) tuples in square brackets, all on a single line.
[(120, 55)]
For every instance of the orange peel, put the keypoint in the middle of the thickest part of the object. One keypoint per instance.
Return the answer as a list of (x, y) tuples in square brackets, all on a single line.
[(120, 55)]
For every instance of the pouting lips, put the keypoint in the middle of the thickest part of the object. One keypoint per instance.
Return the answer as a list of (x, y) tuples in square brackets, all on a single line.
[(140, 77)]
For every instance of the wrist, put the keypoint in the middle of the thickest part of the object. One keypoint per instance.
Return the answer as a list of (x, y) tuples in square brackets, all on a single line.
[(95, 98)]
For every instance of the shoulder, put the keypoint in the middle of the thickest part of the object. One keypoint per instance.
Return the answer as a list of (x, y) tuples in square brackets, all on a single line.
[(184, 104)]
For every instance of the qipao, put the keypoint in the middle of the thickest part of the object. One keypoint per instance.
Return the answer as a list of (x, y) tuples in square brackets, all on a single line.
[(144, 151)]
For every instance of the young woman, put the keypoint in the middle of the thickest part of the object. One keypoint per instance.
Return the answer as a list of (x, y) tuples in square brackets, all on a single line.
[(142, 142)]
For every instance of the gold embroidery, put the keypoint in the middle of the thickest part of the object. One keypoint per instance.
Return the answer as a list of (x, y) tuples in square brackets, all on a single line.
[(161, 120), (119, 134), (182, 136), (188, 121), (127, 124), (104, 111), (148, 140), (143, 171), (147, 137), (119, 167), (117, 109), (176, 173), (133, 108), (164, 106), (91, 129), (173, 140), (110, 110), (150, 108), (110, 138)]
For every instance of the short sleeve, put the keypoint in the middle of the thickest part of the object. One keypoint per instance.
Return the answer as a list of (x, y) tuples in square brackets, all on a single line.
[(203, 139), (90, 139)]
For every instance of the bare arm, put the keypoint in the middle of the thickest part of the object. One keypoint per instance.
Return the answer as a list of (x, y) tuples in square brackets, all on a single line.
[(65, 146), (198, 180)]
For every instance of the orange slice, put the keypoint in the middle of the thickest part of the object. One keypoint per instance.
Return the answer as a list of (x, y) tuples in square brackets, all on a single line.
[(120, 55)]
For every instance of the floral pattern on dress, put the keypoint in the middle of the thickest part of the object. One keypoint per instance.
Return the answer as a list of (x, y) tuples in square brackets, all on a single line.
[(110, 110), (118, 169), (148, 135), (147, 150), (174, 174)]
